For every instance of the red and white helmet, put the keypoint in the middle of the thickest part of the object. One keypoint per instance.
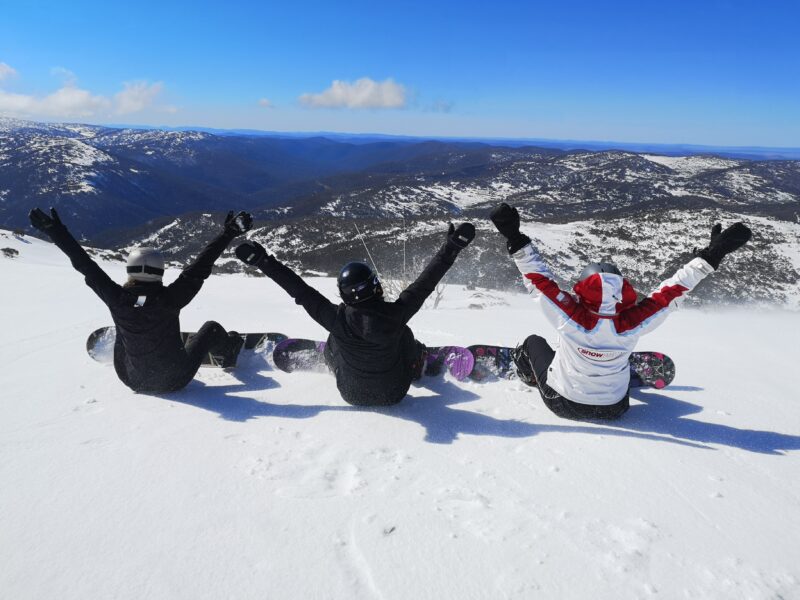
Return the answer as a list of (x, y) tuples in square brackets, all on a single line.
[(603, 290)]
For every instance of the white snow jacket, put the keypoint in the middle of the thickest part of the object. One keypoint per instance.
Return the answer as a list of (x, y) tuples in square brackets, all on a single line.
[(600, 325)]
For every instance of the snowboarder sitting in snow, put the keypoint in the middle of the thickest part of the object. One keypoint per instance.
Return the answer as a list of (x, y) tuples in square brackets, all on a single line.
[(149, 355), (371, 350), (587, 376)]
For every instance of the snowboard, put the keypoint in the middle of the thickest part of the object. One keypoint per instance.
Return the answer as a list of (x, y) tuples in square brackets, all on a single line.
[(308, 355), (648, 369), (100, 345), (492, 362)]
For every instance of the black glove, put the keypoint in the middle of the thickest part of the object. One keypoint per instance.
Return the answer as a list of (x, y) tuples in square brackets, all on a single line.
[(238, 224), (724, 242), (251, 253), (45, 223), (460, 237), (506, 219)]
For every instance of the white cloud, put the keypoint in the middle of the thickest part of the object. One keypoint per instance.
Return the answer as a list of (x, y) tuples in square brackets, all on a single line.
[(71, 101), (136, 97), (363, 93), (67, 76), (266, 103), (6, 71)]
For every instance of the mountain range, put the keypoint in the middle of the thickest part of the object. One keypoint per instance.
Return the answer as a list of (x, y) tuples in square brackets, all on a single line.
[(320, 202)]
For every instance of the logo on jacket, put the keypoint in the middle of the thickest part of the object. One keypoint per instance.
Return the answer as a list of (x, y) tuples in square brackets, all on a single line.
[(599, 355)]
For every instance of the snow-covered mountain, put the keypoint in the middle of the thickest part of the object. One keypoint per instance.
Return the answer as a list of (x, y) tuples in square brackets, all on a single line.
[(648, 247), (578, 184), (112, 178), (312, 197), (261, 484)]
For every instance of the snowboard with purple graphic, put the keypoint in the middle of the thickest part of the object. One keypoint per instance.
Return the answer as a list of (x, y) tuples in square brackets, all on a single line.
[(459, 361), (295, 354)]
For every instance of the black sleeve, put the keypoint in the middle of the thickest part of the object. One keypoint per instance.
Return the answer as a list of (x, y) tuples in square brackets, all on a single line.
[(191, 279), (414, 296), (318, 307), (95, 277)]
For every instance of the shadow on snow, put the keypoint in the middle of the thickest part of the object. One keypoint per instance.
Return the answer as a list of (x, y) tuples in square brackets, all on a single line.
[(657, 418)]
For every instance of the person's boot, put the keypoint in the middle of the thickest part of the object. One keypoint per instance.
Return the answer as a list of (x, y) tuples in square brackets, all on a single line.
[(226, 356), (418, 366), (523, 363)]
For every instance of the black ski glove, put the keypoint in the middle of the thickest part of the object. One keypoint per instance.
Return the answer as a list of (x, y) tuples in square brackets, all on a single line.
[(506, 219), (460, 237), (251, 253), (47, 223), (724, 242), (238, 224)]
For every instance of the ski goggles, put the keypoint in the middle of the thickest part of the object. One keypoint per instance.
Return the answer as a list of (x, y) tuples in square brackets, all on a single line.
[(145, 269), (362, 291)]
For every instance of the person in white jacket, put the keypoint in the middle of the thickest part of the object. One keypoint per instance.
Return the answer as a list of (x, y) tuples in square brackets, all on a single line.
[(587, 376)]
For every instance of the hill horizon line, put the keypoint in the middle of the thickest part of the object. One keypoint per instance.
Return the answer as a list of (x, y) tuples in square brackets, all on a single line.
[(750, 152)]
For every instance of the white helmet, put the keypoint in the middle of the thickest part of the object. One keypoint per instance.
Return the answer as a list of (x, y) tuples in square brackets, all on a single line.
[(145, 264)]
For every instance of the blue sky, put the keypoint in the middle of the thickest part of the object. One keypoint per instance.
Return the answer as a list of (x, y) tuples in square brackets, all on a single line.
[(705, 72)]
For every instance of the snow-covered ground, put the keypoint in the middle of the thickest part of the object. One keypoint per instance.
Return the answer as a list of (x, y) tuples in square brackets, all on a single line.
[(262, 484), (692, 165)]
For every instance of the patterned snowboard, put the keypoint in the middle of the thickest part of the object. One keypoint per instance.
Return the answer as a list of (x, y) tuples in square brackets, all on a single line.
[(492, 362), (648, 369), (651, 369), (100, 345), (307, 355)]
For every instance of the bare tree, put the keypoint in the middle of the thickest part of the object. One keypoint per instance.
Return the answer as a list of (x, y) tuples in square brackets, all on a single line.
[(394, 283)]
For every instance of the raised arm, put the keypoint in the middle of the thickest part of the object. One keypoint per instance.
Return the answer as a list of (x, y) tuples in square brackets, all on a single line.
[(95, 277), (318, 307), (194, 275), (536, 275), (650, 312), (413, 297)]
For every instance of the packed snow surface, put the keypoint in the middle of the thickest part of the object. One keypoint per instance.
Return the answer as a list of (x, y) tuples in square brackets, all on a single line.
[(263, 484)]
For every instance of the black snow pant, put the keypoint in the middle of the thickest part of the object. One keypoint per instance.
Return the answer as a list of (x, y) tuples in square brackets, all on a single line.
[(211, 337), (541, 356), (176, 374), (359, 390)]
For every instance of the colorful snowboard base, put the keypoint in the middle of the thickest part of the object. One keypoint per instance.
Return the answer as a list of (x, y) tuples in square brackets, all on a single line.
[(648, 369), (458, 360), (100, 345), (651, 369), (492, 362), (295, 354)]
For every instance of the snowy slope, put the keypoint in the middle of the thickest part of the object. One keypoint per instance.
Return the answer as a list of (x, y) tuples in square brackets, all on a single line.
[(262, 484)]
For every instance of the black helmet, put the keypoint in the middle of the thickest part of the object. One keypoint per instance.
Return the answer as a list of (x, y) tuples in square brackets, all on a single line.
[(593, 268), (357, 282)]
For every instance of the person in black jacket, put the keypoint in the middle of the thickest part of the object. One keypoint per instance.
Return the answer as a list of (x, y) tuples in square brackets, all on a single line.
[(371, 350), (149, 355)]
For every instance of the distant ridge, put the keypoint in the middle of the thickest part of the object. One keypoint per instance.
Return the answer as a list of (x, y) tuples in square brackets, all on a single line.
[(747, 152)]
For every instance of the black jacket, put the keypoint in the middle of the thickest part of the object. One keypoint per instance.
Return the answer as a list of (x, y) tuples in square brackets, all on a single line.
[(371, 347), (148, 354)]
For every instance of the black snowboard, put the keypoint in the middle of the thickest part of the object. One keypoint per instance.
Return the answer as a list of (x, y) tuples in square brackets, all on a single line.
[(100, 344), (308, 355), (648, 369)]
